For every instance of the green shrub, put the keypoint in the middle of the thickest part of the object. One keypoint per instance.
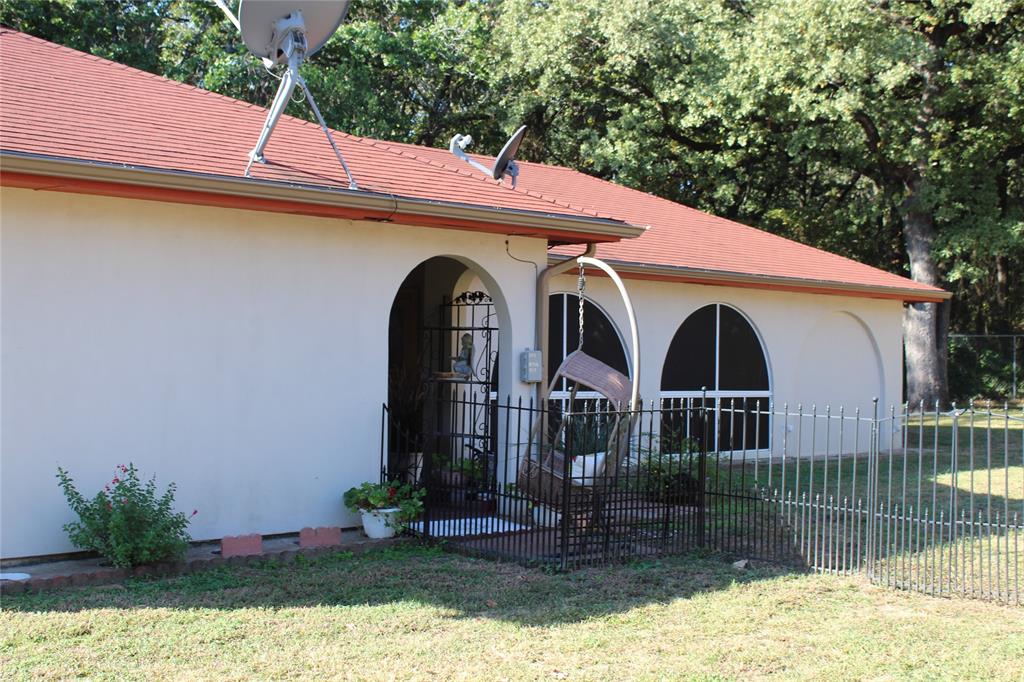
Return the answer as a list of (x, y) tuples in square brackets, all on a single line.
[(127, 522)]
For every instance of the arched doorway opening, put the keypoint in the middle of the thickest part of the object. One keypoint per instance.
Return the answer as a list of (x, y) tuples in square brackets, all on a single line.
[(443, 342), (716, 361)]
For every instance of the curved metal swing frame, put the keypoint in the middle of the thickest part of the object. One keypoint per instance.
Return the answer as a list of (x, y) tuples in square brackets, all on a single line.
[(547, 476)]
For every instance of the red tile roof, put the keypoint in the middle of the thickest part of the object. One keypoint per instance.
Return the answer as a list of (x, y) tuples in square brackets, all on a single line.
[(684, 243), (57, 102)]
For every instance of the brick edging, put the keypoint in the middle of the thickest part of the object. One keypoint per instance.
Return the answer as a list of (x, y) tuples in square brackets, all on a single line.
[(108, 576)]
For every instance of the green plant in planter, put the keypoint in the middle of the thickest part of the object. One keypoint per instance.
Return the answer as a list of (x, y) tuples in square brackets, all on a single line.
[(469, 468), (584, 435), (389, 495), (127, 522)]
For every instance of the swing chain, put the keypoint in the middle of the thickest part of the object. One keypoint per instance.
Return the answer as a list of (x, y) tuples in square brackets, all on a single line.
[(581, 285)]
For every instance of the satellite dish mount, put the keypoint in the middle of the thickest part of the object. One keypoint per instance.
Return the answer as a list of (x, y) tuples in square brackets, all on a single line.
[(286, 32), (504, 164)]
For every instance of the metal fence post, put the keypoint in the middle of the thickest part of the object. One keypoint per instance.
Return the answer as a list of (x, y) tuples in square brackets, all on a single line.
[(563, 520), (702, 472), (871, 547)]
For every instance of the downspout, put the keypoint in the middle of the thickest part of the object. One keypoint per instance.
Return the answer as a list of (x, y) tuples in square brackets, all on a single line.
[(542, 307)]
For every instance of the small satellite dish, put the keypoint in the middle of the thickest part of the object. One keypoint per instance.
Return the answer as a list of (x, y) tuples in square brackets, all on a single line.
[(504, 164), (286, 32), (506, 159)]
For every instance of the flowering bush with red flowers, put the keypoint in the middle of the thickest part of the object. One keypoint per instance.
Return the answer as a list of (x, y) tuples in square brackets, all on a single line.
[(127, 522)]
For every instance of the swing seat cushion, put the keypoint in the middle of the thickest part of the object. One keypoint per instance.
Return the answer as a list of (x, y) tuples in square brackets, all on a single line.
[(592, 373)]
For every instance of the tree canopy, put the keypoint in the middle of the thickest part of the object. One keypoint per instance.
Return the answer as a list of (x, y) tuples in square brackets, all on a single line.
[(891, 131)]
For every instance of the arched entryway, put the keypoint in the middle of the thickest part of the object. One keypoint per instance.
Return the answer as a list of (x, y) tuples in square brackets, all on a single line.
[(443, 341), (716, 361)]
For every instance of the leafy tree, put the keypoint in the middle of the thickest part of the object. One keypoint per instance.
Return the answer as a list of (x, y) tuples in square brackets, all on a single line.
[(406, 70), (126, 31), (891, 131), (864, 127)]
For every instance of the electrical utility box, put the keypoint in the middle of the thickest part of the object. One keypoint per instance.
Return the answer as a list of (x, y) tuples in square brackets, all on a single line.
[(530, 367)]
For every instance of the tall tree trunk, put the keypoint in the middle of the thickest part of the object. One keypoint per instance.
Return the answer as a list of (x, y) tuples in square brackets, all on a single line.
[(925, 325)]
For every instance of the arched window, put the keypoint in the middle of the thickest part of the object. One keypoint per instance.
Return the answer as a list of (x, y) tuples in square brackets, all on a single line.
[(600, 338), (716, 355)]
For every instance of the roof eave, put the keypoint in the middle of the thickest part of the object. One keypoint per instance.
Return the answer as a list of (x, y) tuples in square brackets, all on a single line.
[(377, 206), (746, 280)]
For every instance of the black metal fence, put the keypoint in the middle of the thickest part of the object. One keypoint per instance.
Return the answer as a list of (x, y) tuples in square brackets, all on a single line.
[(916, 499)]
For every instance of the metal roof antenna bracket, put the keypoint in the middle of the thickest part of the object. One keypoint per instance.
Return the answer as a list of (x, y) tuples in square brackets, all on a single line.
[(287, 32), (504, 164)]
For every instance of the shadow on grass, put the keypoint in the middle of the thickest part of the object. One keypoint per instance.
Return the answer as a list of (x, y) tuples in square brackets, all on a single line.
[(415, 574)]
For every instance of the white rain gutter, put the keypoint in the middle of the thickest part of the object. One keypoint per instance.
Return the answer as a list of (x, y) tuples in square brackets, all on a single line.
[(380, 202)]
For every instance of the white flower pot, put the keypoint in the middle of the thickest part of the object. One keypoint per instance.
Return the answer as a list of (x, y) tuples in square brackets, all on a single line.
[(546, 516), (380, 523), (586, 469)]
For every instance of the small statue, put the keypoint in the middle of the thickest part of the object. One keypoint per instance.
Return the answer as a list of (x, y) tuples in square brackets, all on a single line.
[(464, 360)]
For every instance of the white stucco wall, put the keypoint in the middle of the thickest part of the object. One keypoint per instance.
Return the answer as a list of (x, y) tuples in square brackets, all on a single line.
[(242, 355)]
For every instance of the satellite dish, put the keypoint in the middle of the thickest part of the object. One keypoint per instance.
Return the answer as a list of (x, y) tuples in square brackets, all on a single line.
[(262, 23), (505, 161), (286, 32), (504, 164)]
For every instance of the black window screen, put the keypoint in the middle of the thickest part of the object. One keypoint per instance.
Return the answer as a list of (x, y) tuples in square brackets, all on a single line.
[(743, 424), (717, 335), (600, 338), (741, 365), (556, 328), (690, 363)]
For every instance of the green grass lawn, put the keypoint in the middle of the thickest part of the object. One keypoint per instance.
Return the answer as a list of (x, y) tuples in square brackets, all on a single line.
[(917, 494), (417, 613)]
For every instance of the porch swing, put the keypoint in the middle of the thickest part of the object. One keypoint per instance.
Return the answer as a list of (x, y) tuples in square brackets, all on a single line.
[(544, 474)]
